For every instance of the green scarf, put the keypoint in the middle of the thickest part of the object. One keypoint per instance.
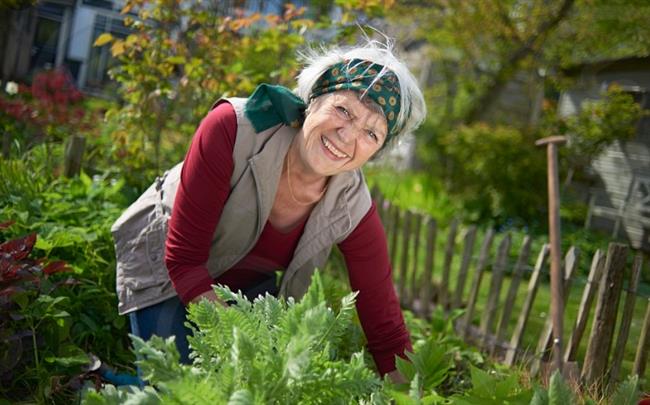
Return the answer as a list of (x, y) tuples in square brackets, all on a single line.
[(271, 105)]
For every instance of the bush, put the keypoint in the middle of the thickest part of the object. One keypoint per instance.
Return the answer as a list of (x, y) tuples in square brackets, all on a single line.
[(72, 218), (496, 171)]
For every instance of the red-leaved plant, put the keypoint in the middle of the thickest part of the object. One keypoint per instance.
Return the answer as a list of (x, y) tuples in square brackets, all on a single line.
[(23, 283), (51, 105)]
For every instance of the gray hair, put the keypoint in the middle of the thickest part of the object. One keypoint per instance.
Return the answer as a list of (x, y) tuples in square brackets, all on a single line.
[(317, 61)]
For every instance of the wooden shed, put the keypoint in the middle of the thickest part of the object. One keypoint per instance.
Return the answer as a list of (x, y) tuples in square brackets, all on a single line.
[(619, 198)]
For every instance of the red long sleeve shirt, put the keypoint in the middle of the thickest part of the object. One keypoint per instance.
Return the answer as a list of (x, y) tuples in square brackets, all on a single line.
[(203, 190)]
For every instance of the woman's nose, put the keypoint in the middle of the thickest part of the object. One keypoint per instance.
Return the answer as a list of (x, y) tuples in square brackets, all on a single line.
[(348, 133)]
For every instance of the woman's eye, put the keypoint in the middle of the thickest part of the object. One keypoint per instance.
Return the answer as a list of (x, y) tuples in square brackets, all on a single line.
[(373, 136), (343, 111)]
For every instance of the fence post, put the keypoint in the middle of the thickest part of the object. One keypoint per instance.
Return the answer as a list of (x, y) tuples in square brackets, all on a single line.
[(495, 291), (379, 201), (642, 348), (602, 330), (429, 261), (6, 144), (533, 283), (446, 268), (74, 152), (413, 290), (470, 236), (517, 273), (588, 294), (476, 284), (546, 337), (626, 320), (394, 230), (404, 258)]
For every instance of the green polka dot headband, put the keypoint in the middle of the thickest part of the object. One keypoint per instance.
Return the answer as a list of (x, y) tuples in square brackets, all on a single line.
[(361, 75)]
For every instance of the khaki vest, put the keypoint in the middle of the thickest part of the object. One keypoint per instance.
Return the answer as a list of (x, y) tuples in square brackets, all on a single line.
[(140, 232)]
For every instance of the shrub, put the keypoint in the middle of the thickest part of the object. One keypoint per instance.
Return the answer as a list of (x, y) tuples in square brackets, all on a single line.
[(495, 170)]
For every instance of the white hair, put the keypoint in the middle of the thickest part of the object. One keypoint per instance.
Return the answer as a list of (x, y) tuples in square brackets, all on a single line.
[(318, 61)]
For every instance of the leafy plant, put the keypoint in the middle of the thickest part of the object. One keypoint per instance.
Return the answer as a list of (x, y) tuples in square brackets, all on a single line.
[(598, 124), (179, 59), (72, 218), (627, 392), (35, 328), (267, 351), (50, 109), (490, 388)]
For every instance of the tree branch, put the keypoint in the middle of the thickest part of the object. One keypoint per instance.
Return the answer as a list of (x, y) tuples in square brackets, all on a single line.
[(507, 69)]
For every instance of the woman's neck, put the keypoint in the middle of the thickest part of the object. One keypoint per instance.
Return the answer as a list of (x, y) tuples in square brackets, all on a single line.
[(300, 173)]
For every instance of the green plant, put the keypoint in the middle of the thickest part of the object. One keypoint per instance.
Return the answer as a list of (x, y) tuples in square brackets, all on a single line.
[(72, 218), (496, 170), (627, 392), (491, 388), (267, 351), (35, 327), (179, 59)]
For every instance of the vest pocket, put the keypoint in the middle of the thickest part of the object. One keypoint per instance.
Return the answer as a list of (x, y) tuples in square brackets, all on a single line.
[(141, 259)]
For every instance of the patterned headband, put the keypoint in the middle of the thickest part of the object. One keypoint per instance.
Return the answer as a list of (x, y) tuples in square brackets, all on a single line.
[(361, 76)]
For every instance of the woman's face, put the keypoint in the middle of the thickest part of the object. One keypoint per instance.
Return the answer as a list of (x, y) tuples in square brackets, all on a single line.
[(341, 133)]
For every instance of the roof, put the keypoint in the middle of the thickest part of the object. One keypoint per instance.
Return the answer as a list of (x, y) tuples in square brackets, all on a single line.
[(631, 63)]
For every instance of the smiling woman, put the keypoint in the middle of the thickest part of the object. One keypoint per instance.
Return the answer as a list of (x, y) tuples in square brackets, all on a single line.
[(271, 183)]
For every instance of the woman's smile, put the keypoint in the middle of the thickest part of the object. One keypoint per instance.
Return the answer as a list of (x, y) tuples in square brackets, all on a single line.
[(335, 152)]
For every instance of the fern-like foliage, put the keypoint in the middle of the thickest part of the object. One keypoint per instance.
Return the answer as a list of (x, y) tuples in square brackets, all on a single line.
[(627, 393), (269, 351)]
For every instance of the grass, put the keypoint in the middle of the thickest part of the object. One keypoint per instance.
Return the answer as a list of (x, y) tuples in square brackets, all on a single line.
[(409, 192)]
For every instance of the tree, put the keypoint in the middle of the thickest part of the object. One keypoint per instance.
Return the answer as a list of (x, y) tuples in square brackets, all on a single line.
[(476, 49)]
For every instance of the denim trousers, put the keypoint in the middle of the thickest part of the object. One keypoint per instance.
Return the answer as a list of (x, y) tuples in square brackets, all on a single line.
[(168, 318)]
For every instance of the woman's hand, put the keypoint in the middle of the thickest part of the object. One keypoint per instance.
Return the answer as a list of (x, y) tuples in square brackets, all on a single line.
[(396, 377), (209, 295)]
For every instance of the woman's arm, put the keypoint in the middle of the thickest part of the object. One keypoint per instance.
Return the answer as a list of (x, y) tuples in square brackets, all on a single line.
[(366, 258), (203, 190)]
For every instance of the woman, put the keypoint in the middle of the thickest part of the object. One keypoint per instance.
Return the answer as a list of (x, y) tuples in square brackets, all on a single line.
[(271, 183)]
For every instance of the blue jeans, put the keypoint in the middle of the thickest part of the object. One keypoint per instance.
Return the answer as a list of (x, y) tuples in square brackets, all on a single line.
[(168, 318)]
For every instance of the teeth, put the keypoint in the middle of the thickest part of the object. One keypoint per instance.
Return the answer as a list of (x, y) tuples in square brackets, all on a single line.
[(333, 148)]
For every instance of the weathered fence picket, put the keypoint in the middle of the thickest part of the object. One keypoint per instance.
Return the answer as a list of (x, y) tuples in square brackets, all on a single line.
[(396, 215), (413, 291), (588, 294), (468, 242), (515, 342), (443, 296), (602, 330), (427, 276), (404, 259), (476, 284), (509, 302), (496, 281), (626, 319), (642, 347)]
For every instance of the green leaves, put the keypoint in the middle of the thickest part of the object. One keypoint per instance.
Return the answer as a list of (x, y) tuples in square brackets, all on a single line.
[(559, 392), (489, 389), (627, 393), (430, 364), (267, 351)]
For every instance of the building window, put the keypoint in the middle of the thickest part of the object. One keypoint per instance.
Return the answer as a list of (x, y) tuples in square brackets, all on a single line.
[(105, 4), (100, 59), (46, 37)]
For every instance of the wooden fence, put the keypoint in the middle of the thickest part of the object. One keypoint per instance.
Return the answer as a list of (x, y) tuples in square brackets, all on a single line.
[(422, 286)]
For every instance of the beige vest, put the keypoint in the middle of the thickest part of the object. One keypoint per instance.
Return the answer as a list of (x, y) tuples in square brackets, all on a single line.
[(140, 232)]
